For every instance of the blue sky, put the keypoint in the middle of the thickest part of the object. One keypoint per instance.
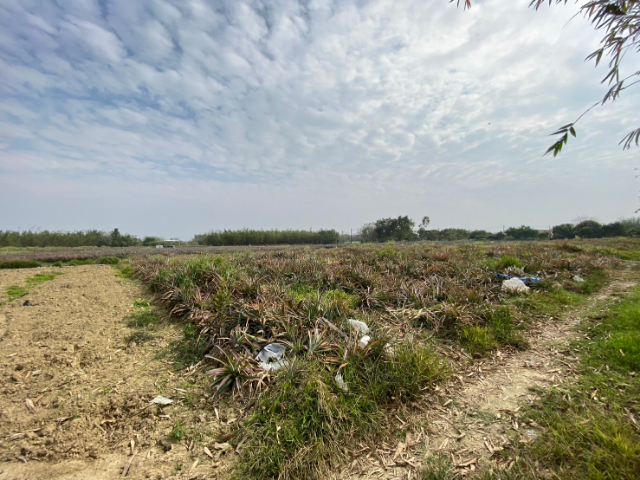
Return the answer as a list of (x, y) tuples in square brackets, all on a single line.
[(175, 118)]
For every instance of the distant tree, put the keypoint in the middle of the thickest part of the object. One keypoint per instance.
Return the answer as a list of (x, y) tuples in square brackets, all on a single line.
[(588, 229), (397, 229), (454, 234), (620, 22), (563, 231), (266, 237), (479, 235), (631, 226), (615, 229), (429, 235), (367, 233), (115, 238), (425, 222), (151, 241), (522, 233)]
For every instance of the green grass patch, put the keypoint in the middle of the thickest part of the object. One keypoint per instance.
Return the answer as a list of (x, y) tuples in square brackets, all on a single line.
[(499, 330), (178, 431), (438, 467), (301, 423), (143, 318), (20, 264), (108, 261), (39, 278), (507, 261), (592, 428), (14, 292), (78, 263)]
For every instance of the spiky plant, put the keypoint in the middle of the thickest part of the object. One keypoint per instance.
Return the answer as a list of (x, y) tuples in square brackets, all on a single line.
[(236, 373)]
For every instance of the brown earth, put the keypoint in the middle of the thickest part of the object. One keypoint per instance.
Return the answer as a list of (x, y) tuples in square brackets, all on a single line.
[(75, 391)]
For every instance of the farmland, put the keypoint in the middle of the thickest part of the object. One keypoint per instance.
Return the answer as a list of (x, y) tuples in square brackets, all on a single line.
[(431, 314)]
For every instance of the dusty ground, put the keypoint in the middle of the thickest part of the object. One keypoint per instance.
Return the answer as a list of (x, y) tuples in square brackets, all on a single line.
[(476, 415), (75, 393)]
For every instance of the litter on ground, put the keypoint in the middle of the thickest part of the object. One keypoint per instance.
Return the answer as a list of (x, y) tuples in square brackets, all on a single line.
[(514, 285), (270, 357), (362, 327)]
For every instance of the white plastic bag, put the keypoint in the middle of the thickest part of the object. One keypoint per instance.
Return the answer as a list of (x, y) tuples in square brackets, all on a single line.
[(341, 383), (514, 285), (270, 357), (362, 327)]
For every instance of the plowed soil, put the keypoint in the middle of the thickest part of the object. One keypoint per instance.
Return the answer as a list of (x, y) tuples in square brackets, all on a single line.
[(76, 388)]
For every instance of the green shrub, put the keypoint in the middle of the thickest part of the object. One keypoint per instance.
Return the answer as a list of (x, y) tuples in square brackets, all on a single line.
[(76, 262), (20, 264), (507, 261), (108, 261)]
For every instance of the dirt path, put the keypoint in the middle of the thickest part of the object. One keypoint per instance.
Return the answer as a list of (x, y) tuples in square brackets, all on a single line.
[(471, 418), (75, 391)]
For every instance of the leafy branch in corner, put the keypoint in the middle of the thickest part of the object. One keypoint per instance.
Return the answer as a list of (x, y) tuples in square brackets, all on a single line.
[(620, 21)]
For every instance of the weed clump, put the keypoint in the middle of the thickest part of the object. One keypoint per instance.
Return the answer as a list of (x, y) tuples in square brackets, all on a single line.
[(108, 261), (301, 423), (335, 387), (20, 264), (590, 428)]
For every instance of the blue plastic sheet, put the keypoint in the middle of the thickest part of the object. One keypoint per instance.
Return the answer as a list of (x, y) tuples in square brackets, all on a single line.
[(526, 280)]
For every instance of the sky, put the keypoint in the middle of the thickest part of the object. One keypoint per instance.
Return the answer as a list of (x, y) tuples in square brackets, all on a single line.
[(174, 118)]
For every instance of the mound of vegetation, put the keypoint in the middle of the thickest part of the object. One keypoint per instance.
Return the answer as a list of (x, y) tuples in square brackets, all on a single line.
[(336, 381), (20, 264)]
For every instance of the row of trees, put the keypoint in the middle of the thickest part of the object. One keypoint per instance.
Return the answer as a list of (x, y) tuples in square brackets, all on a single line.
[(402, 229), (386, 229), (88, 238), (266, 237)]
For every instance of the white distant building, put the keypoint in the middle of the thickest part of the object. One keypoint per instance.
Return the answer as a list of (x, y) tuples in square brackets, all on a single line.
[(168, 243)]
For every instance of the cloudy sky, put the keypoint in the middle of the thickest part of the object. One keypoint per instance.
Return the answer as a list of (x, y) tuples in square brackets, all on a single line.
[(178, 117)]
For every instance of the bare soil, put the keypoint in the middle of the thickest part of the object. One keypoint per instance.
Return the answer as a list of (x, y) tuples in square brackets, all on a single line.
[(75, 391)]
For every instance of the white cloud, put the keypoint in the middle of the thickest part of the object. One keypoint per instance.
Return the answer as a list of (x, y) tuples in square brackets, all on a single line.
[(411, 100)]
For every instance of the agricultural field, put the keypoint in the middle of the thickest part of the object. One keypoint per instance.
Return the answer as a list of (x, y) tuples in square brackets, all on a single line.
[(390, 361), (58, 256)]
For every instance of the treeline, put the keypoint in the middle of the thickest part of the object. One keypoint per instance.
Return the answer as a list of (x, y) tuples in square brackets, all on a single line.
[(387, 229), (266, 237), (402, 229), (88, 238)]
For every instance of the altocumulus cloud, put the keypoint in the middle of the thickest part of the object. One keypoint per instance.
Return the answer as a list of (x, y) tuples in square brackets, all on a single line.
[(174, 117)]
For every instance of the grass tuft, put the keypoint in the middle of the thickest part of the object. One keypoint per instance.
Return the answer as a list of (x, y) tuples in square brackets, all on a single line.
[(305, 418), (592, 428), (16, 291)]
